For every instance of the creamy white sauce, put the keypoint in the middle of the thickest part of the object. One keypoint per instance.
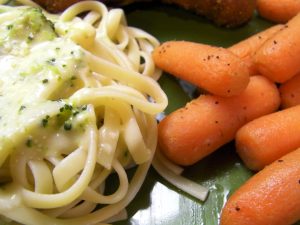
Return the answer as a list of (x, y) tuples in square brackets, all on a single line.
[(33, 76)]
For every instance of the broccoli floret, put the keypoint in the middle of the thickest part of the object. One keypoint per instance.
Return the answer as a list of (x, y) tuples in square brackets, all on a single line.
[(28, 25)]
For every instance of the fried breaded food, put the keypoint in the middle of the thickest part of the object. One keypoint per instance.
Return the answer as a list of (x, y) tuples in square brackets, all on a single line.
[(228, 13), (56, 5), (59, 5)]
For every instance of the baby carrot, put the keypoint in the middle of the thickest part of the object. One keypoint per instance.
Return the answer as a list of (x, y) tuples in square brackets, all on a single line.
[(279, 57), (278, 10), (265, 139), (270, 197), (215, 69), (208, 122), (290, 92), (246, 49)]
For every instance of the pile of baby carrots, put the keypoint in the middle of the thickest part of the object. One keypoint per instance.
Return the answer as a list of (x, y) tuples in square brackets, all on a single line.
[(254, 99)]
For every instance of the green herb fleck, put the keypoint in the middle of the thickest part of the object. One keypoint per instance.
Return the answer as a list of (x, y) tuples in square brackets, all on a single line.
[(9, 27), (69, 107), (29, 143), (51, 61), (45, 81), (22, 107), (65, 113), (66, 107), (30, 37), (67, 126), (45, 121)]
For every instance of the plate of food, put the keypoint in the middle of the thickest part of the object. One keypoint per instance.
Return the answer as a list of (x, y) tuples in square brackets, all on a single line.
[(112, 113)]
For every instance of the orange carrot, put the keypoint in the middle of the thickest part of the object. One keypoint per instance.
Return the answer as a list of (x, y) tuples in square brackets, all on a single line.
[(208, 122), (290, 92), (214, 69), (270, 197), (279, 57), (247, 48), (265, 139), (279, 11)]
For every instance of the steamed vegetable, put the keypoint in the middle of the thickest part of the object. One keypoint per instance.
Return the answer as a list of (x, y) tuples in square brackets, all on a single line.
[(266, 139), (278, 10), (208, 122), (290, 92), (279, 57), (271, 197), (215, 69), (247, 48)]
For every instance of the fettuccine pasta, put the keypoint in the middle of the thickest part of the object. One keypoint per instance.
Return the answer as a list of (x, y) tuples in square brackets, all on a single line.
[(78, 96)]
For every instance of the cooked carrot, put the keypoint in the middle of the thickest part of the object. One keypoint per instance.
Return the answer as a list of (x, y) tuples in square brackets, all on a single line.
[(279, 57), (208, 122), (290, 92), (265, 139), (214, 69), (270, 197), (247, 48), (278, 10)]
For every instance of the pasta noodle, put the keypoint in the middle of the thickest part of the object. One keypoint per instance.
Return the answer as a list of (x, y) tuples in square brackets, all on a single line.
[(171, 173), (79, 103)]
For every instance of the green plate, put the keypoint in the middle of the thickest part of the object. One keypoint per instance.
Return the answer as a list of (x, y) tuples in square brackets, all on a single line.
[(158, 202)]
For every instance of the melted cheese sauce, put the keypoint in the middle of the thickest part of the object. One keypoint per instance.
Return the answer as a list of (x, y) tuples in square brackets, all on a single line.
[(78, 100), (35, 74)]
